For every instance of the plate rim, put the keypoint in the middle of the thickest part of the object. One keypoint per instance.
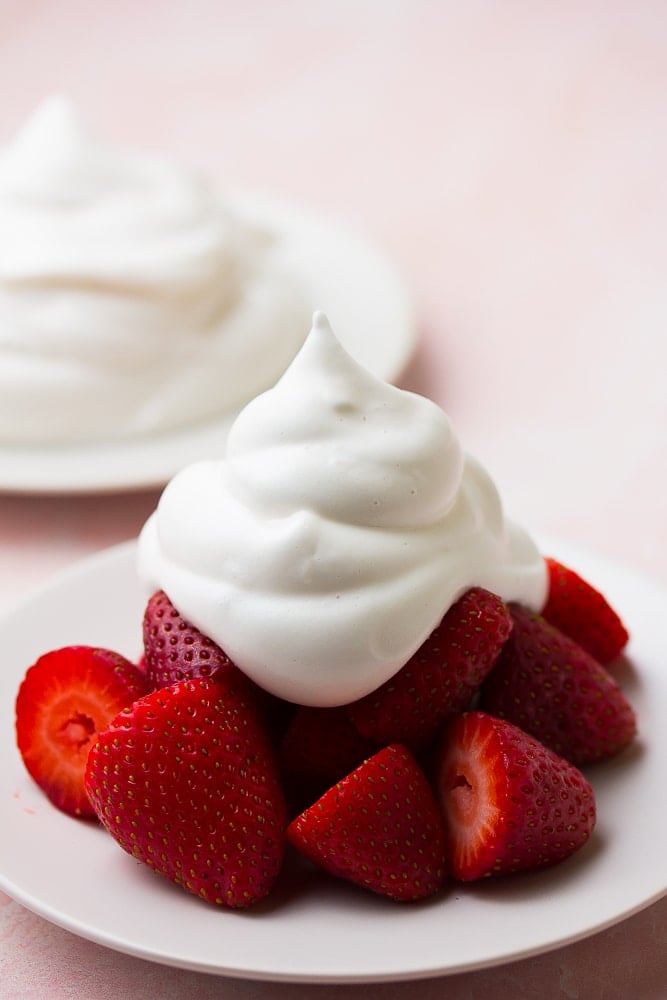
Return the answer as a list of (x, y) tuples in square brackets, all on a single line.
[(109, 558)]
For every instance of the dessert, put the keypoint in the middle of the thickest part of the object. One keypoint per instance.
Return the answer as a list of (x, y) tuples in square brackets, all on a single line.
[(347, 658), (132, 299), (327, 544)]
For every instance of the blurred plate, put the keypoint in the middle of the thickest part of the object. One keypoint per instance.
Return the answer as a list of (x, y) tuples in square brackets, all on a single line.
[(359, 289)]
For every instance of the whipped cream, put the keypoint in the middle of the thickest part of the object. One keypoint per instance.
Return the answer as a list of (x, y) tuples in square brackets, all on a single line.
[(131, 299), (342, 524)]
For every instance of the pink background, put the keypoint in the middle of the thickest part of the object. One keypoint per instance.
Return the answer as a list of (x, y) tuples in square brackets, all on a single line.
[(511, 158)]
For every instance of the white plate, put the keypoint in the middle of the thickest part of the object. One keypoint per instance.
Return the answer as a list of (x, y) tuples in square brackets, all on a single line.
[(364, 297), (320, 930)]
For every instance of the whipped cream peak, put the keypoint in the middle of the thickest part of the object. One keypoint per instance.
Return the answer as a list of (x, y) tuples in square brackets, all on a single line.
[(373, 444), (343, 522), (54, 130), (133, 300), (55, 160)]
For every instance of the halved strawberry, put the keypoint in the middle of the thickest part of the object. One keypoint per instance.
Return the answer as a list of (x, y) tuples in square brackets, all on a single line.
[(379, 827), (582, 612), (174, 650), (509, 803), (550, 687), (186, 781), (441, 677), (64, 700)]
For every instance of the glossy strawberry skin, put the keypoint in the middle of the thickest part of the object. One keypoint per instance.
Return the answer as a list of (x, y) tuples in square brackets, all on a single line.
[(509, 803), (67, 696), (580, 611), (549, 686), (379, 828), (186, 781), (174, 650), (440, 679), (319, 747)]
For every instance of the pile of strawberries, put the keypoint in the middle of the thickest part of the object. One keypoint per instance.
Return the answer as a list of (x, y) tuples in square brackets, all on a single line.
[(465, 764)]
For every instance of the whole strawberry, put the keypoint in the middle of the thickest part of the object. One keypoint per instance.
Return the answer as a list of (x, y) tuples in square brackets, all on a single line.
[(64, 700), (579, 610), (186, 781), (441, 677), (379, 828), (550, 687), (509, 803), (175, 650)]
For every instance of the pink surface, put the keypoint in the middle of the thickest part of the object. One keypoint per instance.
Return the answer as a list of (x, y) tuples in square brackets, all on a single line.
[(511, 158)]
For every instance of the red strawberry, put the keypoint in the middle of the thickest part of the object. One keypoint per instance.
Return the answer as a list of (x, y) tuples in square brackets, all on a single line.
[(173, 648), (509, 803), (439, 680), (186, 781), (379, 827), (65, 699), (550, 687), (319, 747), (583, 613)]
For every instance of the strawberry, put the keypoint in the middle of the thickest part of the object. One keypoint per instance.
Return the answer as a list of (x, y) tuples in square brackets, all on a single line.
[(173, 648), (582, 612), (550, 687), (439, 680), (66, 697), (186, 781), (318, 748), (379, 827), (509, 803)]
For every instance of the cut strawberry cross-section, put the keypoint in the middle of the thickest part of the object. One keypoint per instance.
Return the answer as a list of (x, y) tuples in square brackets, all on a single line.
[(65, 699), (509, 803)]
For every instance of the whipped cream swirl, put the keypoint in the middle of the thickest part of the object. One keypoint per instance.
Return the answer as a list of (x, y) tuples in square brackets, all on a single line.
[(131, 299), (342, 524)]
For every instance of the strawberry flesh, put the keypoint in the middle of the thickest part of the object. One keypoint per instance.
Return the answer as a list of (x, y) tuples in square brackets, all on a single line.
[(509, 803), (65, 699)]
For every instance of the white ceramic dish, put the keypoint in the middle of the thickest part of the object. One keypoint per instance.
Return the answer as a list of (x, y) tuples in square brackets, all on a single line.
[(316, 929), (364, 297)]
